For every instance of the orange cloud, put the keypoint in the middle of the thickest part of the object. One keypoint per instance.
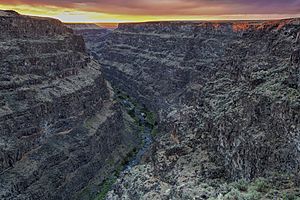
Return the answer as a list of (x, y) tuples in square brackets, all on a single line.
[(144, 10)]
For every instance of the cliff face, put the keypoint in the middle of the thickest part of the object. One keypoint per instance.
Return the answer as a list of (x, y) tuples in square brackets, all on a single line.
[(227, 95), (58, 121), (94, 36)]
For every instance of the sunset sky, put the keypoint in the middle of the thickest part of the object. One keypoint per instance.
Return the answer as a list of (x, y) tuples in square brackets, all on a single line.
[(148, 10)]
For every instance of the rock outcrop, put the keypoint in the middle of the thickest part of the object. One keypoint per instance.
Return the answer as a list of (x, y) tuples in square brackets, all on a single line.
[(61, 133), (227, 95)]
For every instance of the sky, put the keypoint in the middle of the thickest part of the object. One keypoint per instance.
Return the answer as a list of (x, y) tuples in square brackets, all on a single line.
[(154, 10)]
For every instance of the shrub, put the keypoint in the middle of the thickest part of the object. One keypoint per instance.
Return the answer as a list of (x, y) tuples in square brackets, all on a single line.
[(253, 195), (234, 194), (261, 185), (241, 185), (290, 196)]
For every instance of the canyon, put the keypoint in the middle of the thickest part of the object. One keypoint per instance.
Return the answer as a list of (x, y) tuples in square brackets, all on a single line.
[(227, 98), (80, 106)]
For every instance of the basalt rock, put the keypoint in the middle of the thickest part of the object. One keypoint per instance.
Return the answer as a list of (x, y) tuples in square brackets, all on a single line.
[(227, 95), (58, 122), (94, 35)]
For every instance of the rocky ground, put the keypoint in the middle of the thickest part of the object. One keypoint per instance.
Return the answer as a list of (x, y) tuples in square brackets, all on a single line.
[(227, 95), (59, 124)]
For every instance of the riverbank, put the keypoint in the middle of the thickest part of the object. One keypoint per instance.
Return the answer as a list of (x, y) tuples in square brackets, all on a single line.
[(147, 125)]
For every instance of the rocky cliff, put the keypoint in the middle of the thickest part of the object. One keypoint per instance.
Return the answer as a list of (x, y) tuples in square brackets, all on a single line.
[(93, 35), (61, 133), (228, 98)]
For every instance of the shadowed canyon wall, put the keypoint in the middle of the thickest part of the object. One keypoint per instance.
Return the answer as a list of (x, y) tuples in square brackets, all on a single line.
[(58, 122)]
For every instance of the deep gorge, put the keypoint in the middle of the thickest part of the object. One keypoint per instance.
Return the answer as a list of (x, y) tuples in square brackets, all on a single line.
[(218, 90), (158, 110)]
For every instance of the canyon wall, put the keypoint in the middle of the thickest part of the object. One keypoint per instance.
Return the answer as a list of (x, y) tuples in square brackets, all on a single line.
[(60, 129), (227, 95)]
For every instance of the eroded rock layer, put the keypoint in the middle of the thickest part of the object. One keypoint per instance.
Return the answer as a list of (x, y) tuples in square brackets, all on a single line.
[(58, 122), (227, 95)]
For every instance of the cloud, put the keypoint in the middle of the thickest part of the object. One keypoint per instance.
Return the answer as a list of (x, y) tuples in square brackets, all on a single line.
[(172, 7)]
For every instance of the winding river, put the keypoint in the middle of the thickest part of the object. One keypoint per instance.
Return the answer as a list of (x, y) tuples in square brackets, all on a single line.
[(145, 133)]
